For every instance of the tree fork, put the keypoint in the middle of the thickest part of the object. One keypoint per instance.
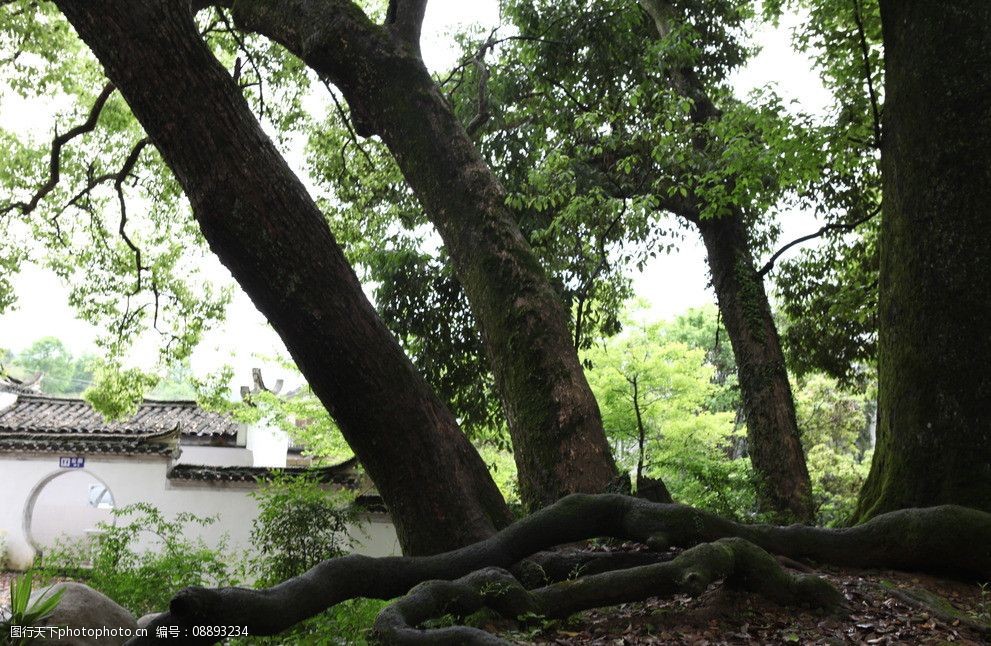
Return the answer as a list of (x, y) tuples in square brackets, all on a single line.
[(559, 444), (946, 540)]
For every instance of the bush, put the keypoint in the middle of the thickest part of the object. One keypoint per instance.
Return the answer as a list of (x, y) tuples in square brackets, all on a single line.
[(299, 524), (140, 576)]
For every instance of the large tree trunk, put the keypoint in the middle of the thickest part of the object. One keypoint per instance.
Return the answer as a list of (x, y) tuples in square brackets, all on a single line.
[(934, 427), (554, 421), (260, 221), (772, 430)]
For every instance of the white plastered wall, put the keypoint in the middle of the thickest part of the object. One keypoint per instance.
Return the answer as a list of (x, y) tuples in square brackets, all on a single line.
[(134, 479)]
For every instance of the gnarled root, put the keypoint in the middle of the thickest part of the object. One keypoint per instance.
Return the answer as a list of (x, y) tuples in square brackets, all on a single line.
[(737, 561), (940, 540)]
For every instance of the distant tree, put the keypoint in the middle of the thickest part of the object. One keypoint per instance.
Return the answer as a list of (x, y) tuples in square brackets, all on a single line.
[(655, 394), (62, 373)]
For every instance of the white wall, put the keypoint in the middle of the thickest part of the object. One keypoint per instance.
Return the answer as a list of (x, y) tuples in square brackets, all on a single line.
[(142, 479), (215, 456), (63, 508), (268, 444)]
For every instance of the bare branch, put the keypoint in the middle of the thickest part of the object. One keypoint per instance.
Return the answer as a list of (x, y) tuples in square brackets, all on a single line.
[(55, 160), (868, 73), (242, 46), (834, 226)]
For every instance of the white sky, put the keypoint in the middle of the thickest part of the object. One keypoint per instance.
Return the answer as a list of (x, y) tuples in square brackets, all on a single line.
[(670, 283)]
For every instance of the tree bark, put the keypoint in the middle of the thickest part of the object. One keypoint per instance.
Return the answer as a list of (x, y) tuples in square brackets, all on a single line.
[(934, 400), (772, 428), (258, 218), (554, 421)]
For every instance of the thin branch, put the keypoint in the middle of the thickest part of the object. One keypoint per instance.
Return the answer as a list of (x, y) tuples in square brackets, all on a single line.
[(124, 173), (343, 116), (229, 28), (868, 73), (55, 160), (835, 226), (482, 113)]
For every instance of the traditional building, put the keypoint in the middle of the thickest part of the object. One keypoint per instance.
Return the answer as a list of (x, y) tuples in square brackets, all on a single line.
[(64, 469)]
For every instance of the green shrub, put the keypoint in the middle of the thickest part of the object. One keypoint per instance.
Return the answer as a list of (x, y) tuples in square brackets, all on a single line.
[(299, 524), (142, 577)]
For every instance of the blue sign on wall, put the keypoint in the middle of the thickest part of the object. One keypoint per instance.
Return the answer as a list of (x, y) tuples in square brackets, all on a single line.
[(72, 463)]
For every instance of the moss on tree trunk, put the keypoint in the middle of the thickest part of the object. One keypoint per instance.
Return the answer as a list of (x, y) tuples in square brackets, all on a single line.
[(934, 422), (554, 421)]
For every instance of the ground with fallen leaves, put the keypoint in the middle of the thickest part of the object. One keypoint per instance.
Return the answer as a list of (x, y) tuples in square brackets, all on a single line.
[(876, 614)]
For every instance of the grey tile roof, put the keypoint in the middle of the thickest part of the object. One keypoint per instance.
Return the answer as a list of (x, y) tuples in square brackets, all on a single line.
[(343, 474), (36, 414), (73, 443)]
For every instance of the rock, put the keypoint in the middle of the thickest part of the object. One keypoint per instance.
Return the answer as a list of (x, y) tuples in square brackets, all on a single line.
[(89, 618)]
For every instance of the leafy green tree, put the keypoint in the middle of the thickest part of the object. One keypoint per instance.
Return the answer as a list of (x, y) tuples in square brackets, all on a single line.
[(63, 373), (834, 422), (651, 129), (655, 394)]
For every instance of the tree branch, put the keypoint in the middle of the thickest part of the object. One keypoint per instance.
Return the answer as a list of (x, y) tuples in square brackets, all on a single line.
[(55, 159), (868, 74), (834, 226), (404, 18)]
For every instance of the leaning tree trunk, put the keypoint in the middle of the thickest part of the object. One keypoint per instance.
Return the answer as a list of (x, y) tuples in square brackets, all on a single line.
[(934, 400), (260, 221), (772, 430), (554, 421)]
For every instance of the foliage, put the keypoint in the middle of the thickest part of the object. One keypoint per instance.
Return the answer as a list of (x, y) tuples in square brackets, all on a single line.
[(64, 374), (834, 422), (23, 611), (829, 292), (117, 391), (299, 524), (118, 233), (142, 558), (657, 392)]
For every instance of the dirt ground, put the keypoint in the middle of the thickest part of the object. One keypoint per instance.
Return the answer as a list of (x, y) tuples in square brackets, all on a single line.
[(875, 614)]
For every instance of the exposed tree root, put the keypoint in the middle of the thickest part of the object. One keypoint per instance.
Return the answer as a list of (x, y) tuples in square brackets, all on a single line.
[(941, 540), (548, 567), (741, 563), (937, 606)]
